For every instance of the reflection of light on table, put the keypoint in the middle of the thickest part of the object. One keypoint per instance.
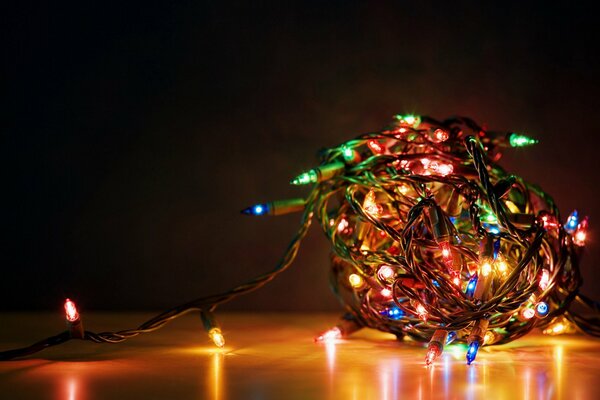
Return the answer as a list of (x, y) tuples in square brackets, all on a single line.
[(273, 356), (72, 389), (216, 376), (558, 370), (330, 351)]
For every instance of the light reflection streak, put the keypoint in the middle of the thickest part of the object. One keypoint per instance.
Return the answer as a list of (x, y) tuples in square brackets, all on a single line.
[(72, 389), (447, 375), (215, 382), (330, 350), (471, 381), (558, 370), (527, 386), (384, 379), (431, 379)]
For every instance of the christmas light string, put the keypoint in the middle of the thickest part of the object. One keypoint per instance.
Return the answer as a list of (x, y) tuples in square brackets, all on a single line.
[(431, 239)]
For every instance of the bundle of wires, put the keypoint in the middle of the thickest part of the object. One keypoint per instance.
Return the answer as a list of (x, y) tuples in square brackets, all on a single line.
[(430, 238)]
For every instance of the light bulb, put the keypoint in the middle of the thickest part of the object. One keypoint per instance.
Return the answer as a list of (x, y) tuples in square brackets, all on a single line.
[(572, 222), (472, 352), (447, 253), (486, 268), (394, 313), (471, 286), (435, 346), (319, 174), (440, 135), (528, 313), (544, 279), (356, 281), (421, 312), (376, 147), (71, 311), (370, 205), (542, 309), (502, 266), (329, 336), (217, 337), (580, 234), (342, 225), (518, 140), (305, 178), (256, 210), (385, 272)]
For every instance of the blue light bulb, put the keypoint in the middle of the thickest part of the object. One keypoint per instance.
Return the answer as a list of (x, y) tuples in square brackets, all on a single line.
[(393, 313), (471, 286), (472, 352), (256, 210), (451, 337), (572, 222), (542, 309)]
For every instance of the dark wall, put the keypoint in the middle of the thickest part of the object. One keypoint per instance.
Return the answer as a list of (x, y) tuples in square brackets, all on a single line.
[(135, 133)]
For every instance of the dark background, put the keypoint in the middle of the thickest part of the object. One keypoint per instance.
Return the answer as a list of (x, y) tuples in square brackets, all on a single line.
[(134, 134)]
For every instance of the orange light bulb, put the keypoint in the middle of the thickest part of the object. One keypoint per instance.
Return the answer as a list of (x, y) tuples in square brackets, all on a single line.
[(71, 311)]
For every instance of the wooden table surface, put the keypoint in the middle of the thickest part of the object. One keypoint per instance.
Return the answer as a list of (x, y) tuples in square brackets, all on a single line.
[(272, 356)]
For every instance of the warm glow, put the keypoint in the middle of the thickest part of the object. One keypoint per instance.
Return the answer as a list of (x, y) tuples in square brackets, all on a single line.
[(356, 281), (489, 337), (422, 312), (375, 147), (330, 335), (528, 313), (385, 272), (579, 238), (544, 279), (71, 311), (446, 252), (430, 357), (486, 268), (343, 225), (217, 337), (370, 205), (558, 328), (440, 135), (502, 266), (386, 292), (409, 119), (444, 169), (403, 189)]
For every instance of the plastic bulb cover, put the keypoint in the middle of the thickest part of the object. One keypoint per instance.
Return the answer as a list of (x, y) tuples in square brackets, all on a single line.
[(217, 337), (518, 140), (472, 352), (256, 210), (71, 311)]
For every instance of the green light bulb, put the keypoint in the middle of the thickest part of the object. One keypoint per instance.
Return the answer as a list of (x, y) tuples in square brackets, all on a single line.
[(490, 218), (305, 178), (517, 140), (348, 154), (409, 119)]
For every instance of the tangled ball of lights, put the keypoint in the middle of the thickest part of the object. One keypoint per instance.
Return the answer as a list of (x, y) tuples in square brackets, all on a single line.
[(431, 239)]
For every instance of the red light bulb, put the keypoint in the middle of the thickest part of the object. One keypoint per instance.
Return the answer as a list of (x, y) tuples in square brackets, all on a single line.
[(71, 311)]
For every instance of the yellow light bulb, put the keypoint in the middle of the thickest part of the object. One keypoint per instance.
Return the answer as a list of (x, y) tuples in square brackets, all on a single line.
[(217, 337), (489, 337), (502, 267), (486, 268), (558, 328), (355, 280), (370, 205), (403, 189)]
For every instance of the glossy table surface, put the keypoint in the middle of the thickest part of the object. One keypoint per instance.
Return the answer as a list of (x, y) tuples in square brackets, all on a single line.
[(272, 356)]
